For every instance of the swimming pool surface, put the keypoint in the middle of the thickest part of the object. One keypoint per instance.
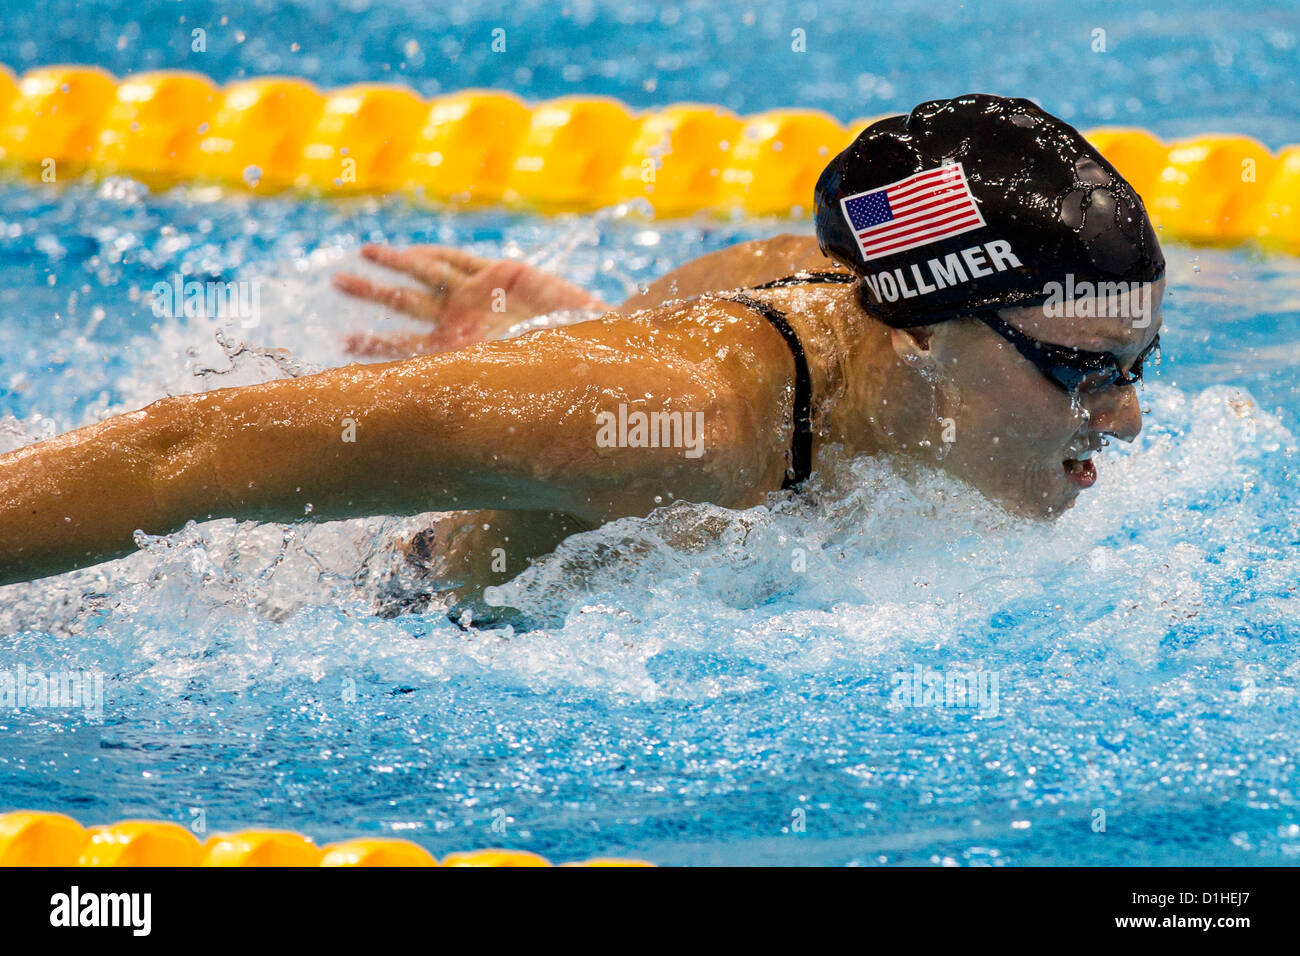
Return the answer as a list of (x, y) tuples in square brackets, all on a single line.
[(706, 686)]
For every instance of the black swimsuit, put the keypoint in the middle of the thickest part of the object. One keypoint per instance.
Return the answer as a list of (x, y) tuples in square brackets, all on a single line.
[(801, 443)]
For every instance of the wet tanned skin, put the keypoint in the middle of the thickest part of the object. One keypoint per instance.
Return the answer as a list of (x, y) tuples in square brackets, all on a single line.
[(460, 548)]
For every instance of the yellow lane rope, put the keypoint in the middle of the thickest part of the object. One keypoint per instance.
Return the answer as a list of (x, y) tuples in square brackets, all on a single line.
[(481, 147), (52, 839)]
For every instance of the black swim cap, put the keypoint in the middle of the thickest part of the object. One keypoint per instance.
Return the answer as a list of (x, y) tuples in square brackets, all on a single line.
[(975, 202)]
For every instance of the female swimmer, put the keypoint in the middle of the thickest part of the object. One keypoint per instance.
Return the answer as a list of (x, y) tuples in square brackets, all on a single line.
[(993, 290)]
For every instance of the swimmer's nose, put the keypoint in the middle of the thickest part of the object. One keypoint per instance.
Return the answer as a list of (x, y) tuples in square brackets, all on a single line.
[(1116, 412)]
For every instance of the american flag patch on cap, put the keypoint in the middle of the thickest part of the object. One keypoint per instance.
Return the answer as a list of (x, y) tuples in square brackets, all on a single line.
[(923, 208)]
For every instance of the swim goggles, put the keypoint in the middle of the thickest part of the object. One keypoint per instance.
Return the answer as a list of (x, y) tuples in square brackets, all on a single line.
[(1073, 370)]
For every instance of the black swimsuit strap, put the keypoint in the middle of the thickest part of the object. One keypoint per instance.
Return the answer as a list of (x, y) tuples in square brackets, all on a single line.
[(801, 443), (799, 278)]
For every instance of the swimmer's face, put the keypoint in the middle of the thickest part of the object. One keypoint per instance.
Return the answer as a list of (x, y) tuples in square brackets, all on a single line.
[(1020, 438)]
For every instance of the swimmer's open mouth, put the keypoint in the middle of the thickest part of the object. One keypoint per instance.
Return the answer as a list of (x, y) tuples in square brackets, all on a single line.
[(1080, 471)]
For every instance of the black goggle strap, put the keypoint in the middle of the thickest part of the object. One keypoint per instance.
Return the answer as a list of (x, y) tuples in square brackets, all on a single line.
[(1051, 360), (1065, 366)]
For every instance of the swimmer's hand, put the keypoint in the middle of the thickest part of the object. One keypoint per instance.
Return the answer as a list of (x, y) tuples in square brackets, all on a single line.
[(466, 298)]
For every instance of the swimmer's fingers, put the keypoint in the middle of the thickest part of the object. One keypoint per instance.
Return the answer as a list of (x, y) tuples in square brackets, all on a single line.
[(412, 302), (439, 267)]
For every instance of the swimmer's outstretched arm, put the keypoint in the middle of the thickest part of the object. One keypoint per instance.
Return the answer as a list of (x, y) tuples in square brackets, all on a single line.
[(504, 425)]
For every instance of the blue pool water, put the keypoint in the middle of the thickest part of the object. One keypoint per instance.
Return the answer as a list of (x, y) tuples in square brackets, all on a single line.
[(708, 686)]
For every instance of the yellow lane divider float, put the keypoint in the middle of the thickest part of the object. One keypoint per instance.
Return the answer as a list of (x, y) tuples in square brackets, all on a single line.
[(573, 153), (52, 839)]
